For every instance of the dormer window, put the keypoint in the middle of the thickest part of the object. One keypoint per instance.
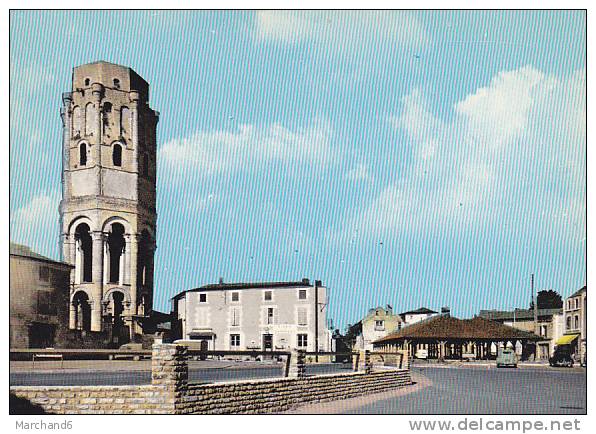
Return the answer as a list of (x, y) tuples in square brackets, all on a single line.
[(117, 155)]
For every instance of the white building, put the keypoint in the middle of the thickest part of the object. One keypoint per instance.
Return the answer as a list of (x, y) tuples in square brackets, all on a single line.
[(413, 316), (378, 323), (260, 316)]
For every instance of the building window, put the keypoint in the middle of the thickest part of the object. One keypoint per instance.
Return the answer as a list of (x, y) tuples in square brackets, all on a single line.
[(235, 296), (568, 323), (379, 325), (202, 298), (44, 303), (268, 296), (235, 317), (83, 154), (577, 303), (302, 340), (235, 341), (117, 83), (270, 316), (302, 316), (576, 322), (543, 330), (87, 81), (117, 155), (302, 294), (44, 274)]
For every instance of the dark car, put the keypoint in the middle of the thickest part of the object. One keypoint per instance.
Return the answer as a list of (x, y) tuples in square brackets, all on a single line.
[(561, 357)]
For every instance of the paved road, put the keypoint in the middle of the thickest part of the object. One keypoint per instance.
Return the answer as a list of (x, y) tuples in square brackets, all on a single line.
[(215, 372), (482, 390)]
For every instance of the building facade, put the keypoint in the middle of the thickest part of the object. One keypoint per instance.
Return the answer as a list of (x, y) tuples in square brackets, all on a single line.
[(254, 316), (378, 323), (108, 217), (545, 323), (413, 316), (39, 289), (576, 322)]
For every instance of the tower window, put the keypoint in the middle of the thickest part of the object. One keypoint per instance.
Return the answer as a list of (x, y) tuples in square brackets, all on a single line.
[(84, 246), (117, 155), (87, 81), (117, 83), (116, 245), (83, 154)]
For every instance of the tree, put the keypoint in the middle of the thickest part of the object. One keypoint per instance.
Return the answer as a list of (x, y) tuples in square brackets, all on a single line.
[(548, 299), (352, 332)]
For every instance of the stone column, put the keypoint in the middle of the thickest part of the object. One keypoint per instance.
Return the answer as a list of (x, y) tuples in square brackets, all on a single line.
[(106, 262), (133, 271), (97, 277), (296, 369), (169, 373), (126, 267), (72, 316), (66, 114), (364, 364), (134, 121), (78, 272)]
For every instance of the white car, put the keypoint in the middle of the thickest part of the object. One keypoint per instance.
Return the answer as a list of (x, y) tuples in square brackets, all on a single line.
[(421, 354)]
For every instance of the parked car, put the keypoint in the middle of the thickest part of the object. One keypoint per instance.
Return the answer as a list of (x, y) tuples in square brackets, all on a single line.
[(562, 357), (507, 357), (421, 353), (468, 357)]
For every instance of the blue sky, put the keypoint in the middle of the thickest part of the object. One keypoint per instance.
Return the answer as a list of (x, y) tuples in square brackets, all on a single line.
[(409, 158)]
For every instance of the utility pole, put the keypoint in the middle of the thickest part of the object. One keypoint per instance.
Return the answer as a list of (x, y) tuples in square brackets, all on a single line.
[(535, 303)]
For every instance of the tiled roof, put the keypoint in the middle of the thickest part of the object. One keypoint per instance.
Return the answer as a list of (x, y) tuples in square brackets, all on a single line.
[(249, 285), (521, 314), (578, 292), (447, 327), (420, 310), (26, 252)]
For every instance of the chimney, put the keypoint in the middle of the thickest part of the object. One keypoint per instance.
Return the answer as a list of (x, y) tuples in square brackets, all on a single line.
[(221, 281), (445, 311), (305, 281)]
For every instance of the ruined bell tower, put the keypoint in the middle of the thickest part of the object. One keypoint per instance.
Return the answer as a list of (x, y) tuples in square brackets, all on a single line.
[(108, 218)]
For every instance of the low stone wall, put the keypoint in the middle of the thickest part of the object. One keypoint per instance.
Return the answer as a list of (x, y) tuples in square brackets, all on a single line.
[(147, 399), (277, 395), (170, 393)]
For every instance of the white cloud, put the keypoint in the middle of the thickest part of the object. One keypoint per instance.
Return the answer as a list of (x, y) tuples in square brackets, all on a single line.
[(36, 223), (513, 149), (359, 173), (250, 147), (340, 30)]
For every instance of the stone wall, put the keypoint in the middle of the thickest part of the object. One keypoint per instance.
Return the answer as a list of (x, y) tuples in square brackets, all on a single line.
[(277, 395), (146, 399), (170, 393)]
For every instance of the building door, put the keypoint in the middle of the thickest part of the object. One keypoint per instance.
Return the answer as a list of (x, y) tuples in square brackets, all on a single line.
[(268, 342), (204, 348)]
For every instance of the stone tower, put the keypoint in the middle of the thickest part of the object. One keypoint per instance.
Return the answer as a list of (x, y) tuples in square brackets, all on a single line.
[(108, 217)]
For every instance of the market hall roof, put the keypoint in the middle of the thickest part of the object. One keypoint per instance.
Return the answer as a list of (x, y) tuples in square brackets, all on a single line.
[(446, 327)]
